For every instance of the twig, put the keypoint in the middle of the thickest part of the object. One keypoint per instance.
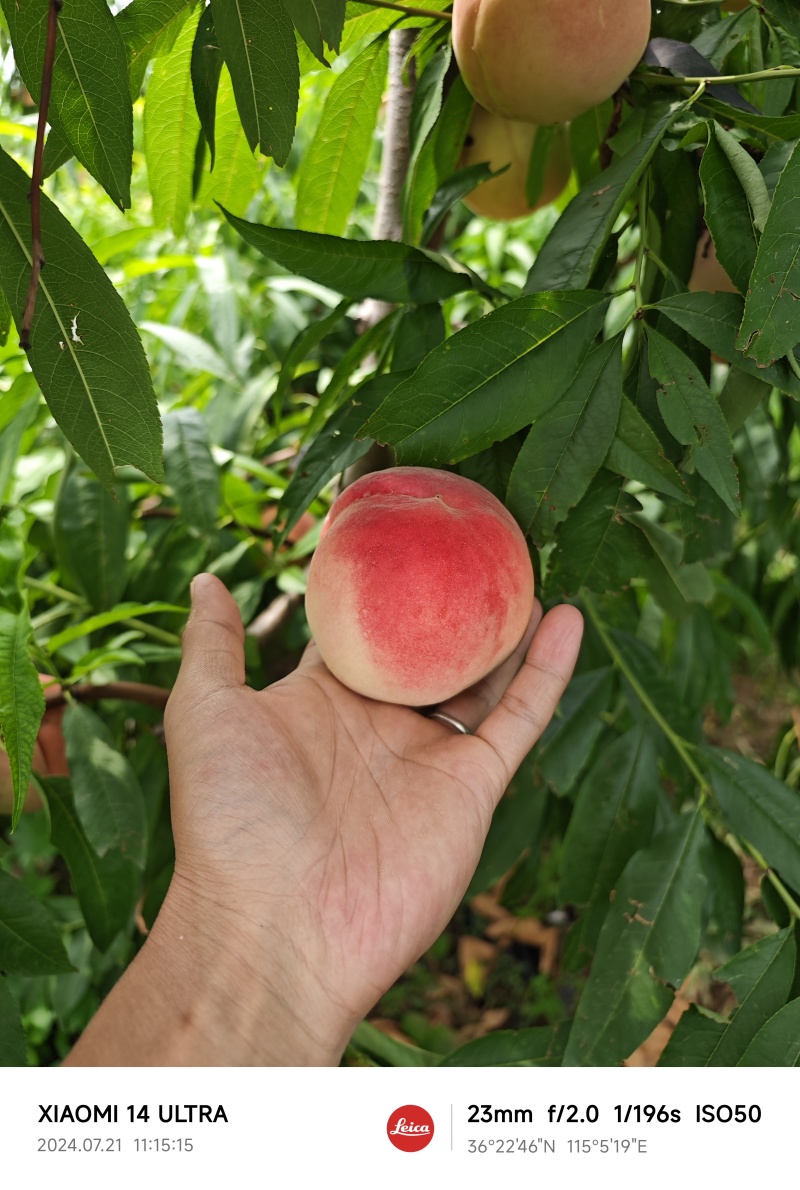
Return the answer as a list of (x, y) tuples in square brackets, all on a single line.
[(269, 623), (153, 696), (35, 194), (714, 80), (412, 12)]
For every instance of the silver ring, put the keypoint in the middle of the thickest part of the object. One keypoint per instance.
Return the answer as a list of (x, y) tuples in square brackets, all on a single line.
[(443, 717)]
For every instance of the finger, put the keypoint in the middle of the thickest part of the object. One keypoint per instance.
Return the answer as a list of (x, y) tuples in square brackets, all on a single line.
[(311, 656), (213, 640), (528, 704), (473, 705)]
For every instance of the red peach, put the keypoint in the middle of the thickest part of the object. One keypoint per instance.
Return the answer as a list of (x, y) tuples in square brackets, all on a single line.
[(547, 61), (421, 584)]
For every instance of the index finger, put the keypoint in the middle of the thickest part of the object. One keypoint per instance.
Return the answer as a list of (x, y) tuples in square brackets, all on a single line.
[(527, 706)]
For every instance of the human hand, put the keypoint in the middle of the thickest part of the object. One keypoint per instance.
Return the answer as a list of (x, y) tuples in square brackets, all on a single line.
[(323, 841)]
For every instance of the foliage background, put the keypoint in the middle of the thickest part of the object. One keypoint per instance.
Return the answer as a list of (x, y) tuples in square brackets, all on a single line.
[(647, 855)]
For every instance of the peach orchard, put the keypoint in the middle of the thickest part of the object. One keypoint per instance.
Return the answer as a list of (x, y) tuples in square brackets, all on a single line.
[(549, 246)]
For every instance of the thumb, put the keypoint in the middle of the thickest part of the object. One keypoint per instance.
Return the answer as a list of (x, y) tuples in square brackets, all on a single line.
[(213, 640)]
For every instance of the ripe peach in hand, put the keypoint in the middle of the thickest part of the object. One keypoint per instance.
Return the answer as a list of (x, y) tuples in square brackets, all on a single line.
[(547, 61), (510, 142), (422, 583)]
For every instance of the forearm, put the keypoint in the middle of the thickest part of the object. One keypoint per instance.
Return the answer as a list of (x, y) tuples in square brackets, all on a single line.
[(195, 996)]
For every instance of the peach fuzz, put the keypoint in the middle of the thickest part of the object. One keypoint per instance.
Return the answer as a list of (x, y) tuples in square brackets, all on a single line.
[(547, 61), (422, 583), (509, 142)]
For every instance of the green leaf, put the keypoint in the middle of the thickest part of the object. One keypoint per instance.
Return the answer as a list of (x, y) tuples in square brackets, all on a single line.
[(90, 529), (149, 28), (727, 213), (21, 698), (30, 943), (425, 111), (772, 127), (390, 1051), (258, 44), (693, 1040), (451, 191), (693, 416), (490, 379), (85, 353), (57, 152), (574, 247), (636, 453), (760, 808), (123, 611), (206, 67), (303, 345), (749, 175), (13, 1046), (541, 1046), (190, 470), (420, 331), (108, 799), (193, 353), (237, 172), (106, 887), (90, 105), (713, 319), (435, 189), (317, 21), (567, 445), (596, 549), (777, 1043), (334, 163), (670, 579), (516, 827), (171, 128), (378, 269), (14, 431), (333, 450), (771, 323), (649, 939), (575, 728), (5, 319), (613, 818), (785, 12), (740, 396), (761, 978)]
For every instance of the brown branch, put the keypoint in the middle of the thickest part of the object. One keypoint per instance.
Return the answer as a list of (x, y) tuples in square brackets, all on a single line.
[(35, 195), (153, 696)]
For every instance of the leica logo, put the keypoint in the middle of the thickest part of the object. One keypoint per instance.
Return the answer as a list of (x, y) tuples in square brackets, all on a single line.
[(407, 1129), (410, 1128)]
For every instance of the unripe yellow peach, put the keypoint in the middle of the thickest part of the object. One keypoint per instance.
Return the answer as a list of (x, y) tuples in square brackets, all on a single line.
[(422, 583), (510, 142), (547, 61)]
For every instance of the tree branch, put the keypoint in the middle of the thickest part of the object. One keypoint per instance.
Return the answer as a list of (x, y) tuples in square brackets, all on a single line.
[(153, 696), (35, 195)]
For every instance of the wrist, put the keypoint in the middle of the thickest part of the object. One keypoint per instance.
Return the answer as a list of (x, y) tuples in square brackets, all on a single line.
[(243, 994)]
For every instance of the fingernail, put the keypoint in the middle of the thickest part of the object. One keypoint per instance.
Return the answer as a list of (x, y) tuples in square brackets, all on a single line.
[(197, 584)]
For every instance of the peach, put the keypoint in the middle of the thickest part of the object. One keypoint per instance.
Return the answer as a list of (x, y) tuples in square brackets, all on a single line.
[(547, 61), (510, 142), (49, 757), (708, 275), (421, 584)]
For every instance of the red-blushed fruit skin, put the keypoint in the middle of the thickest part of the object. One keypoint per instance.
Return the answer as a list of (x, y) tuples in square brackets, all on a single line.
[(422, 583), (547, 61)]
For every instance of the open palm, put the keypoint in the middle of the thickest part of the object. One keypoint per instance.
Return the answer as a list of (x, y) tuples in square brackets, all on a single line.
[(343, 829)]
